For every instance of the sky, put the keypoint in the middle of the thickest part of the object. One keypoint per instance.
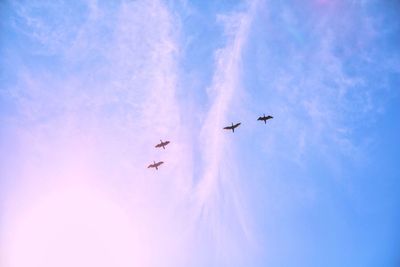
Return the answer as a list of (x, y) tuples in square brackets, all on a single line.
[(88, 88)]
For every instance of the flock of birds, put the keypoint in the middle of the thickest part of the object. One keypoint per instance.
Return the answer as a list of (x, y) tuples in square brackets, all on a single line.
[(232, 127)]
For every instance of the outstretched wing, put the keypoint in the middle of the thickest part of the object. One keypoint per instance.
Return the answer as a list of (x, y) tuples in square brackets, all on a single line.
[(236, 125), (150, 166), (228, 128), (159, 163), (261, 118)]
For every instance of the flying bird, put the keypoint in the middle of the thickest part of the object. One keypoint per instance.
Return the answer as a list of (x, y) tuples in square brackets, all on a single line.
[(162, 144), (155, 165), (232, 127), (265, 118)]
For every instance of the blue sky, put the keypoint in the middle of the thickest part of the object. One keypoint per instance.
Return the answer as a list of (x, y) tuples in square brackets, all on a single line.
[(87, 89)]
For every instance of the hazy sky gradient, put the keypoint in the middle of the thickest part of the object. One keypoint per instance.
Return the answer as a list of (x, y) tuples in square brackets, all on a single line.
[(87, 89)]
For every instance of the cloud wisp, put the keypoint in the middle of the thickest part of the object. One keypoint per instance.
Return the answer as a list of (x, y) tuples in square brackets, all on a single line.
[(217, 193), (85, 131)]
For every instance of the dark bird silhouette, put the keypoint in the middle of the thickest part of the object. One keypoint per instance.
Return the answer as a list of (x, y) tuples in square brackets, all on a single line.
[(232, 127), (265, 118), (155, 165), (162, 144)]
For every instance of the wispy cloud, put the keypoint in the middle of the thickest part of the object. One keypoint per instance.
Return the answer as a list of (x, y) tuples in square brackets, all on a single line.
[(217, 193), (316, 71), (89, 125)]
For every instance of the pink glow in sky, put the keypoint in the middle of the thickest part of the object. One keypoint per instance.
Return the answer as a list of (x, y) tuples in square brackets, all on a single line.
[(84, 195)]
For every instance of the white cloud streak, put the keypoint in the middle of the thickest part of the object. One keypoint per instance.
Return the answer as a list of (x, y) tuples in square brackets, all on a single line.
[(217, 193)]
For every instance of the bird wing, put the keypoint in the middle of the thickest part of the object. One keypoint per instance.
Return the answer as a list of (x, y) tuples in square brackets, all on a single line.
[(151, 166), (236, 125), (228, 127), (165, 143), (260, 119)]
